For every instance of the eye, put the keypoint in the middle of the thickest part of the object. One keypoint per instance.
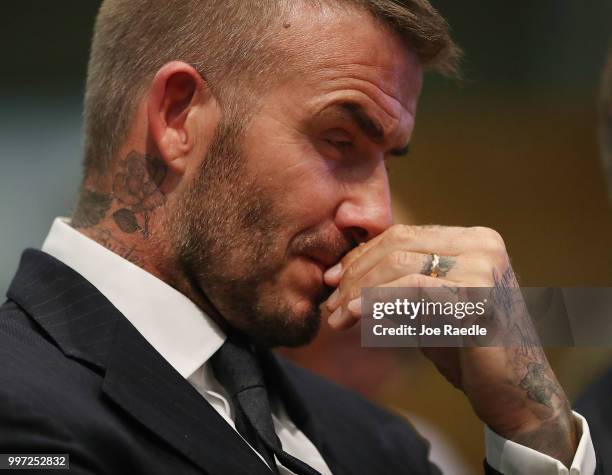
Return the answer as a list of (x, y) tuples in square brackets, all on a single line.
[(339, 139), (340, 144)]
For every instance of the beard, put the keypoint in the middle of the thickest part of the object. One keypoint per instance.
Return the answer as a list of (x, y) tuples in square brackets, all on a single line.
[(228, 239)]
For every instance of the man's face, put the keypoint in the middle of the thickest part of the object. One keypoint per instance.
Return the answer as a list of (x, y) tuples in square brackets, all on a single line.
[(280, 202)]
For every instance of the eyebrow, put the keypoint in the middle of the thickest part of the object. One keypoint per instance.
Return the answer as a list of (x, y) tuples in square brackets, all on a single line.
[(368, 125)]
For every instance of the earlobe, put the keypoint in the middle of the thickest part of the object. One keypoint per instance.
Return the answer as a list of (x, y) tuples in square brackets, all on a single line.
[(173, 102)]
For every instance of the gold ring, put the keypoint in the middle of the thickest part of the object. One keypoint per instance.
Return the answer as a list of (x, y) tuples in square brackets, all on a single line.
[(435, 265)]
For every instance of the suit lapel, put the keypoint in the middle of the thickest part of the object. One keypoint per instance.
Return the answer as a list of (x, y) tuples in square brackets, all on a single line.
[(140, 381), (87, 327)]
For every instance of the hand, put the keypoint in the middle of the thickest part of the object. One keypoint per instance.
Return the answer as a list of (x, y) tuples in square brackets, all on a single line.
[(511, 388)]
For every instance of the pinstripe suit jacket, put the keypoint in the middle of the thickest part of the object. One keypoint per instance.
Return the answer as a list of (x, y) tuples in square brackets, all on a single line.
[(76, 377)]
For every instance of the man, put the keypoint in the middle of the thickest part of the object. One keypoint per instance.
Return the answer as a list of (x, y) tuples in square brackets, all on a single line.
[(234, 176), (595, 402)]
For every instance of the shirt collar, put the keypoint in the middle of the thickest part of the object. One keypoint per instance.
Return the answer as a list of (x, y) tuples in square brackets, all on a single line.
[(181, 332)]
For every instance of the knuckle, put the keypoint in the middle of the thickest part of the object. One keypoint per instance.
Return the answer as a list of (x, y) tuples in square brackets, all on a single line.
[(350, 272), (496, 259), (399, 233), (343, 289), (353, 293), (346, 261), (399, 259), (490, 239), (482, 270)]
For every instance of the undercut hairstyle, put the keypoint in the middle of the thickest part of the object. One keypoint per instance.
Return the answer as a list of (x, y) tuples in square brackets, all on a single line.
[(605, 122), (233, 44)]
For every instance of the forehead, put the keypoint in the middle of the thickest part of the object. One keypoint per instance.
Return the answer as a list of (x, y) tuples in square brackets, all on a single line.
[(347, 49)]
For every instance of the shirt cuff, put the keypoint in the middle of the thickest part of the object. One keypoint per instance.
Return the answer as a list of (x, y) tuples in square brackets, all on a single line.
[(511, 458)]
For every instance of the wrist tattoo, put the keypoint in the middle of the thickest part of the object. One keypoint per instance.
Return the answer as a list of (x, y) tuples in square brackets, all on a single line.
[(504, 285), (537, 384)]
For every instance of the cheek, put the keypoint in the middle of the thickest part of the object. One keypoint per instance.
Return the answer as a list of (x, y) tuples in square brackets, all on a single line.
[(310, 190), (300, 179), (296, 175)]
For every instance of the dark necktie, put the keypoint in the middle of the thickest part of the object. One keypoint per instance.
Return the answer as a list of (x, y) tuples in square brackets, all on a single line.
[(236, 367)]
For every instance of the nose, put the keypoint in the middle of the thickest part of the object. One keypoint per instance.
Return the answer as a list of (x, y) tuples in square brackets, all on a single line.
[(365, 211)]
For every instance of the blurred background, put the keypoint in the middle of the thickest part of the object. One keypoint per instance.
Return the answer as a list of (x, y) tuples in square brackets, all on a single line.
[(513, 146)]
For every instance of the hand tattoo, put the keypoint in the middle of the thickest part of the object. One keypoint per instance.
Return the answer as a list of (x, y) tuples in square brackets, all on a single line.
[(452, 290), (444, 266), (504, 287)]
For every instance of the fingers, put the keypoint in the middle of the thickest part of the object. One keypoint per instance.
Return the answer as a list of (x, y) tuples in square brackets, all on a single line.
[(375, 268), (333, 275), (360, 260), (473, 272), (402, 254), (445, 241), (349, 313), (399, 247)]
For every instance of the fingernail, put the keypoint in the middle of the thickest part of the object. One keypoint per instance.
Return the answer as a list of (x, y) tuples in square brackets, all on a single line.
[(335, 317), (354, 306), (332, 301), (334, 272)]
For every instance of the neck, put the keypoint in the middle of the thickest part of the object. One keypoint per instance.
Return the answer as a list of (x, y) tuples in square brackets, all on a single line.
[(118, 209), (123, 212)]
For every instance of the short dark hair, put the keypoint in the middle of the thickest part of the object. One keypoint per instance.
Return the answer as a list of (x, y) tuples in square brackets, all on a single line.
[(230, 42)]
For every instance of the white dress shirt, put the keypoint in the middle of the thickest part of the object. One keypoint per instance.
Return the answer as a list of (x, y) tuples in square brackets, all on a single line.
[(186, 338)]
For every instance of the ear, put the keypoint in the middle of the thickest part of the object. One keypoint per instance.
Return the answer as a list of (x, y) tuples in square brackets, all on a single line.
[(175, 110)]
